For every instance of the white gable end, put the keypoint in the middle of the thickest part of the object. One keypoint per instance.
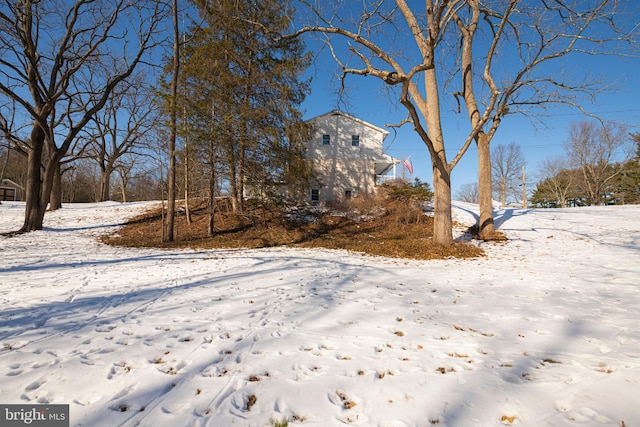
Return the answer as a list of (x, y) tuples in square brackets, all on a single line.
[(346, 155)]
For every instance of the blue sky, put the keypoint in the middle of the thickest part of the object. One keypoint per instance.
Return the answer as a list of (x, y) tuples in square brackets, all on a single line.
[(538, 141)]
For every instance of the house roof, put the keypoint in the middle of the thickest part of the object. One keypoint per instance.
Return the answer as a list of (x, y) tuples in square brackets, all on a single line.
[(385, 133), (7, 181)]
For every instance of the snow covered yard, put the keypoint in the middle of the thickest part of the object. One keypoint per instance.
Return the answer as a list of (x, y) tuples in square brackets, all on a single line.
[(543, 332)]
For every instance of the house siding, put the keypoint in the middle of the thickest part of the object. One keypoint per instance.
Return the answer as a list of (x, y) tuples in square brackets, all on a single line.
[(340, 166)]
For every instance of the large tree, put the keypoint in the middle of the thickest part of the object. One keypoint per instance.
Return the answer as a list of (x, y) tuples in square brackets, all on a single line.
[(242, 87), (492, 57), (52, 54)]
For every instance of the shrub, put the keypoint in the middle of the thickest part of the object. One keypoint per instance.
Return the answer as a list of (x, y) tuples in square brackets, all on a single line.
[(416, 191)]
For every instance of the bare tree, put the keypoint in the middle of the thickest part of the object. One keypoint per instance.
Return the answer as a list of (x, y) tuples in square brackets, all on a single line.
[(52, 54), (139, 178), (489, 56), (558, 179), (119, 129), (506, 163), (593, 148), (12, 163), (468, 193), (79, 182), (125, 169), (11, 137)]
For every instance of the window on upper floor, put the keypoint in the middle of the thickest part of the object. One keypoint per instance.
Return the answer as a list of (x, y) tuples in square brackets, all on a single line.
[(355, 140), (326, 139)]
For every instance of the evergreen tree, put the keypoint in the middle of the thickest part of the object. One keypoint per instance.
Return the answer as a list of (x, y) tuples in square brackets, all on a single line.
[(242, 89), (626, 187)]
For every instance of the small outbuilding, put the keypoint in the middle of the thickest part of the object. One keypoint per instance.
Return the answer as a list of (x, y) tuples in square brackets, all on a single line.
[(11, 191)]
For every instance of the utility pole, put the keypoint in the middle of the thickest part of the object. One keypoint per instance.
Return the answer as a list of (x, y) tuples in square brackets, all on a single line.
[(524, 190)]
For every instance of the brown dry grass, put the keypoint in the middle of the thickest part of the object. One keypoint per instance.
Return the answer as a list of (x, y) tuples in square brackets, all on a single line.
[(372, 226)]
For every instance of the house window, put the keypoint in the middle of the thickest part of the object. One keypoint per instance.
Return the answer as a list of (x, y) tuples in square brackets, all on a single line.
[(315, 195), (347, 194), (326, 139), (355, 140)]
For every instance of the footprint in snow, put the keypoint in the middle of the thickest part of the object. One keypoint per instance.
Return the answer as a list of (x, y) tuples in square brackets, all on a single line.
[(588, 416), (602, 347), (122, 393), (14, 372), (87, 399), (119, 368), (304, 372), (14, 345), (49, 397), (203, 411), (280, 406), (174, 369), (174, 407), (351, 408), (35, 385), (214, 371), (53, 362), (126, 407), (105, 328)]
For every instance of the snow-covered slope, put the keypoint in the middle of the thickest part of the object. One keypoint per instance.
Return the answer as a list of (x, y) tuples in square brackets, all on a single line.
[(542, 332)]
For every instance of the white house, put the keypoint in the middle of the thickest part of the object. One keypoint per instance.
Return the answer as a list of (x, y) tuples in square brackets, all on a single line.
[(346, 156)]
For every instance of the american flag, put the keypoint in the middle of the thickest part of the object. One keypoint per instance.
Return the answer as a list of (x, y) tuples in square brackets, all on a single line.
[(407, 164)]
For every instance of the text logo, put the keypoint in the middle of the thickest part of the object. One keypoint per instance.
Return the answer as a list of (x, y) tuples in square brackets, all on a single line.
[(34, 415)]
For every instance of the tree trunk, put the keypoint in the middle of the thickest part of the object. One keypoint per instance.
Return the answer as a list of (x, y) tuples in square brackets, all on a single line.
[(187, 211), (486, 227), (51, 172), (55, 199), (212, 194), (171, 184), (442, 221), (442, 224), (123, 187), (240, 182), (233, 181), (105, 184), (171, 194), (124, 180), (34, 211)]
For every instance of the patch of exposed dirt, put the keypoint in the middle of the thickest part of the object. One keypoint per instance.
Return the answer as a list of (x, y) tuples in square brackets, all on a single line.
[(381, 228)]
